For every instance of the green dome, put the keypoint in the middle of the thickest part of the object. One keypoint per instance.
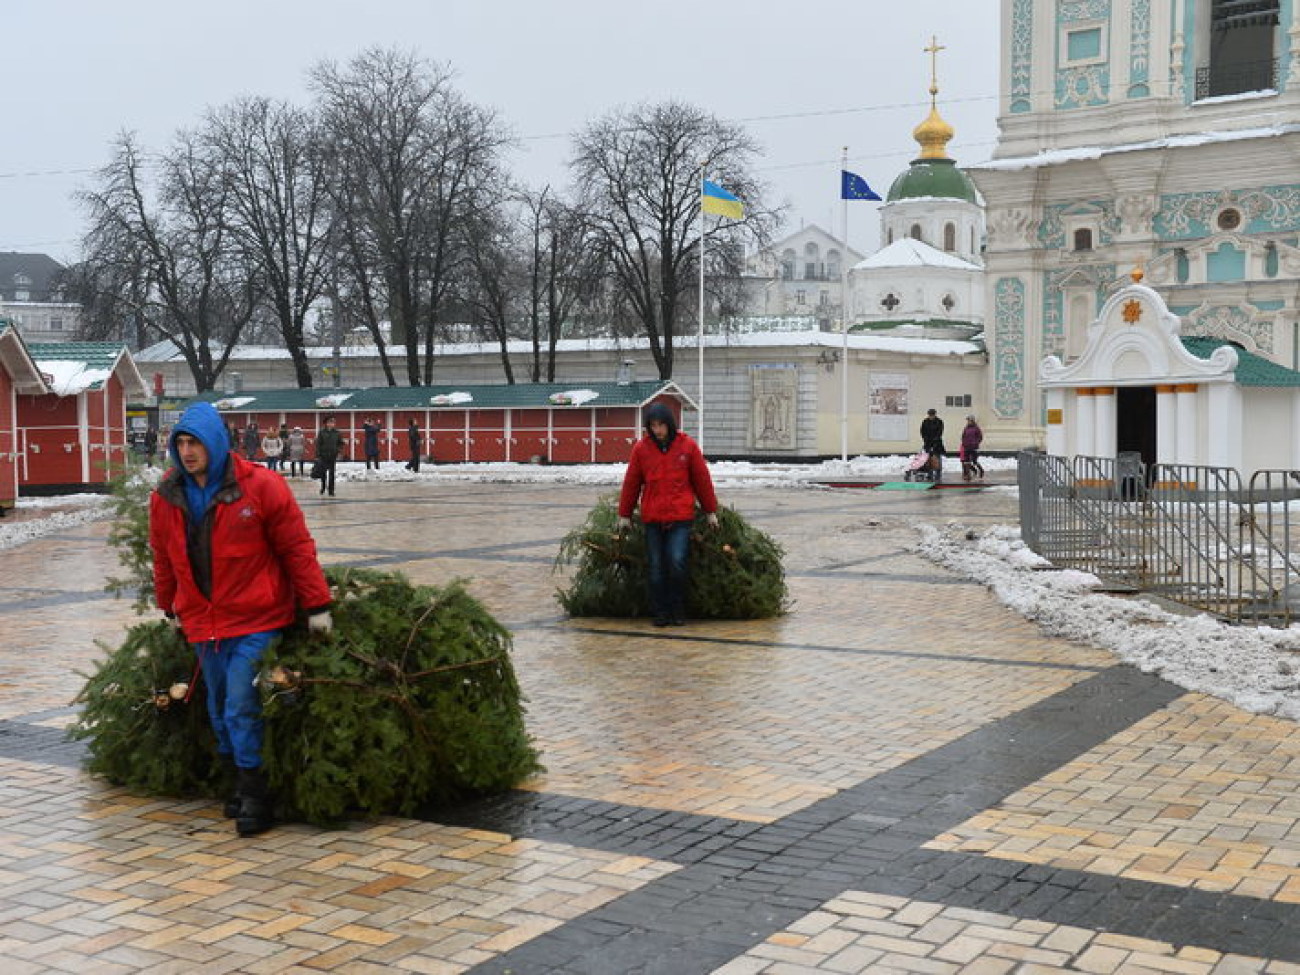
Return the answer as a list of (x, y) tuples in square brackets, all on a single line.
[(932, 178)]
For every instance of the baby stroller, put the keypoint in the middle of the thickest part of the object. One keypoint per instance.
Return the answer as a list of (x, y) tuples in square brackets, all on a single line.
[(923, 467)]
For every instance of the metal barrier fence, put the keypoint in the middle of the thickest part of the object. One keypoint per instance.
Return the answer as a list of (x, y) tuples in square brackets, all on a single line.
[(1189, 533)]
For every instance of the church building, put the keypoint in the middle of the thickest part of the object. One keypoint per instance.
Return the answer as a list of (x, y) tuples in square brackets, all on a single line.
[(1135, 134)]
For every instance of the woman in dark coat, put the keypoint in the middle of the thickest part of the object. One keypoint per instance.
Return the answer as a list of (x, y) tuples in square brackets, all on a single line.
[(932, 442)]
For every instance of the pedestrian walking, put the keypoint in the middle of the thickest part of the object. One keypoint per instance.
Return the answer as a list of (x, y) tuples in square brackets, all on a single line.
[(666, 475), (328, 444), (370, 430), (932, 442), (233, 562), (971, 438), (252, 439), (272, 447), (297, 444), (414, 443)]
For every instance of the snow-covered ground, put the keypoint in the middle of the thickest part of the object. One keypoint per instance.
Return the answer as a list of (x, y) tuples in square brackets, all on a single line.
[(1253, 667), (1256, 669), (726, 474)]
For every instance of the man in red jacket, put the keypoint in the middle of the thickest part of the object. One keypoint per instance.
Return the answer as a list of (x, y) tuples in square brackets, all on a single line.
[(667, 473), (232, 561)]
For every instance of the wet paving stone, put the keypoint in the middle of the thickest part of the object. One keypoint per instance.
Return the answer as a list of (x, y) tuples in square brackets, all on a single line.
[(842, 789)]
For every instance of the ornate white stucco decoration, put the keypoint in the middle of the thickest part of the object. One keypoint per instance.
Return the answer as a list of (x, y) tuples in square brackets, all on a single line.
[(1135, 342)]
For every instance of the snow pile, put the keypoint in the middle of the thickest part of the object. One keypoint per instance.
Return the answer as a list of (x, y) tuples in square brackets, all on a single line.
[(85, 508), (333, 401), (726, 474), (573, 397), (1253, 667), (451, 399), (67, 378)]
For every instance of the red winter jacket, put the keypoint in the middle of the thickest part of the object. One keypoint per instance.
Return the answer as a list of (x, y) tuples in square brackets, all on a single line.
[(667, 482), (263, 558)]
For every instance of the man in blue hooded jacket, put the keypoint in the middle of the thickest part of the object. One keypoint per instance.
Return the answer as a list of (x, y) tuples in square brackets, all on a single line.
[(233, 562)]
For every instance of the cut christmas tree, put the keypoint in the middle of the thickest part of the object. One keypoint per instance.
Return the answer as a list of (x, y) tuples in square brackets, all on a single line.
[(735, 570), (410, 702)]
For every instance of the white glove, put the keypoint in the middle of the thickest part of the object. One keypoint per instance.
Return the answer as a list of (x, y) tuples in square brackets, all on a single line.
[(624, 525), (321, 622), (712, 519)]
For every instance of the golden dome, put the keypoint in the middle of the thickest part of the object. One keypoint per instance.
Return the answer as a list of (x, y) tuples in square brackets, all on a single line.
[(933, 135)]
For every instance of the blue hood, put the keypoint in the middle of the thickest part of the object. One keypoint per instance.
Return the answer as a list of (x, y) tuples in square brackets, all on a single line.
[(202, 421)]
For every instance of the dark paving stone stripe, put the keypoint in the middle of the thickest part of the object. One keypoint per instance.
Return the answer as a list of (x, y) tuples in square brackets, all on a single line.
[(689, 635), (39, 745), (1181, 916), (659, 834), (53, 599), (696, 919)]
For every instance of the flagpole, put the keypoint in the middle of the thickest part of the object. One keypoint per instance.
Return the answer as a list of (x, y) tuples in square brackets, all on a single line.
[(699, 337), (844, 317)]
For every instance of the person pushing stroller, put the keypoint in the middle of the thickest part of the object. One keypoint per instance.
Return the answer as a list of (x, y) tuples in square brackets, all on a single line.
[(932, 442)]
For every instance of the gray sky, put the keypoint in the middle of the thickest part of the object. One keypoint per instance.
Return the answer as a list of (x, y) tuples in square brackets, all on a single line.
[(805, 78)]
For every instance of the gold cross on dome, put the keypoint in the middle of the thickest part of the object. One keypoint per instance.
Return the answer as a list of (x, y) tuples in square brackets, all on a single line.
[(933, 50)]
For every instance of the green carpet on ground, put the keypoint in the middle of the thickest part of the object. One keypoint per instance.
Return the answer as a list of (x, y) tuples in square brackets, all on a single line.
[(906, 486)]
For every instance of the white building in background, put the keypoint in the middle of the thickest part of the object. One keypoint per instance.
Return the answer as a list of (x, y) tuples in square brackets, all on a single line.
[(31, 298), (1161, 135), (799, 277)]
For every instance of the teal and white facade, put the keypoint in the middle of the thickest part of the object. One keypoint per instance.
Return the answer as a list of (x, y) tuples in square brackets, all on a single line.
[(1161, 135)]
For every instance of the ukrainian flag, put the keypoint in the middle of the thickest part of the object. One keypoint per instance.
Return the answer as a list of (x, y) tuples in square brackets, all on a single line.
[(719, 201)]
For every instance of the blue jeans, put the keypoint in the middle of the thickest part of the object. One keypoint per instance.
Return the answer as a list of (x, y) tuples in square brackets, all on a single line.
[(667, 548), (230, 667)]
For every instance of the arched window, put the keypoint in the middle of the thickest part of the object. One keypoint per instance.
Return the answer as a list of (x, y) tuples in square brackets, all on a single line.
[(1083, 239), (949, 237), (811, 268), (916, 232), (832, 264)]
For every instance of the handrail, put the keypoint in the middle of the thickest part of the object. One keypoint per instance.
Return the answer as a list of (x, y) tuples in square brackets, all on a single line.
[(1190, 533)]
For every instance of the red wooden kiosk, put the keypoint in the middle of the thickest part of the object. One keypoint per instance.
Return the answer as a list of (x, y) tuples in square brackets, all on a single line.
[(73, 435), (574, 423), (18, 376)]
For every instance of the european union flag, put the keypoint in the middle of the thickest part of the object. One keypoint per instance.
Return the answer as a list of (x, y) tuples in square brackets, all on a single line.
[(854, 187)]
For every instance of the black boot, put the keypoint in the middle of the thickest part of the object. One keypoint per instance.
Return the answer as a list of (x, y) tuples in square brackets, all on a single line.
[(229, 785), (254, 803)]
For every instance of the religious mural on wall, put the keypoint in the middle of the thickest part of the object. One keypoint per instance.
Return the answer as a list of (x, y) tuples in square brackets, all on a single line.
[(773, 394), (887, 405)]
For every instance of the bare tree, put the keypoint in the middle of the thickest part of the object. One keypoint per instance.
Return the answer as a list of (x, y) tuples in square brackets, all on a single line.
[(169, 255), (564, 271), (270, 156), (641, 170), (415, 162), (491, 289)]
